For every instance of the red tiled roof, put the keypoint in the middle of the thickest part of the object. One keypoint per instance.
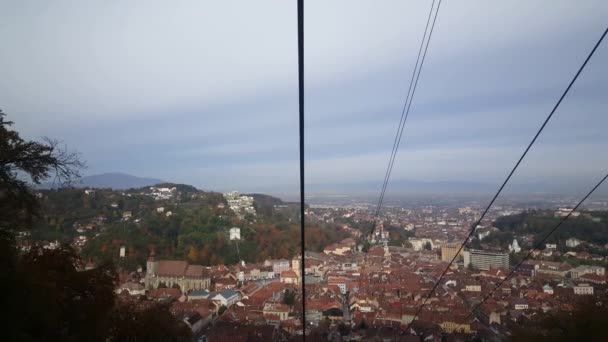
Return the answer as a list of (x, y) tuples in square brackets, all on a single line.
[(194, 271), (171, 268), (288, 274), (593, 278), (225, 281)]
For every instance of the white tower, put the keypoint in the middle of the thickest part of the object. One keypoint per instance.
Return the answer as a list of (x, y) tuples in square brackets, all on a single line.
[(514, 247), (295, 265), (235, 233)]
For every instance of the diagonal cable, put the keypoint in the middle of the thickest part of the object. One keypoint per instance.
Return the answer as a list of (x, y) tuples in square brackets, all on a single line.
[(542, 127), (424, 45), (536, 247)]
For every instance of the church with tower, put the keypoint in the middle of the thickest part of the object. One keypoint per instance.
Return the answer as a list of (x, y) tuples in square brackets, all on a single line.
[(175, 272)]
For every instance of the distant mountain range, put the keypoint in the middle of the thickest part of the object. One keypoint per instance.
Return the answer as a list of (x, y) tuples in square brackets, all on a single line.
[(404, 186), (400, 187), (116, 180)]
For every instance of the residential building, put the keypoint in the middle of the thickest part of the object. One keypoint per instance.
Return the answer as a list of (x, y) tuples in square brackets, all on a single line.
[(449, 251), (280, 265), (483, 260), (593, 279), (573, 242), (289, 277), (551, 246), (553, 269), (528, 269), (419, 244), (198, 294), (520, 304), (450, 327), (472, 288), (581, 270), (337, 248), (227, 297), (274, 311), (133, 288), (583, 289), (338, 281)]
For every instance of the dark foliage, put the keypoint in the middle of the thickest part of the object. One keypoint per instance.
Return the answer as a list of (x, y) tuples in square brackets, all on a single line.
[(36, 160), (289, 297), (154, 323), (46, 293), (589, 226), (586, 323)]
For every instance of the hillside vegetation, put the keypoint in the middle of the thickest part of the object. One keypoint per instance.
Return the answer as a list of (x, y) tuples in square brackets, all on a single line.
[(590, 226), (191, 225)]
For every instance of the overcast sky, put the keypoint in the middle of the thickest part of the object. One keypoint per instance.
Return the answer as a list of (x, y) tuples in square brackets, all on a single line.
[(205, 92)]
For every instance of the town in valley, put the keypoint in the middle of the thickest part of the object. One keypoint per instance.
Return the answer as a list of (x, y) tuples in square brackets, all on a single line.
[(365, 280)]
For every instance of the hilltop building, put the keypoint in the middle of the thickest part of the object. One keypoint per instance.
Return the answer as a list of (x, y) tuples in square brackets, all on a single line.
[(241, 205)]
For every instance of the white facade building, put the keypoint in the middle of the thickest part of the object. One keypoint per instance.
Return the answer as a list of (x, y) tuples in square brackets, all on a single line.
[(573, 242), (514, 247), (583, 289)]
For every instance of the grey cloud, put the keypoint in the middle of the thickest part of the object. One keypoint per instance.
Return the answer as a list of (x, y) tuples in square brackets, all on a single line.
[(205, 92)]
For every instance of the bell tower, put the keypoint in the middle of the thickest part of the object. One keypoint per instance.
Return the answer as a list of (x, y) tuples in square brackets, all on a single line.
[(151, 266)]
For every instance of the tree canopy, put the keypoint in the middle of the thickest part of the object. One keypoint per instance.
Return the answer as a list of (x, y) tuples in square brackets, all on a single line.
[(47, 294)]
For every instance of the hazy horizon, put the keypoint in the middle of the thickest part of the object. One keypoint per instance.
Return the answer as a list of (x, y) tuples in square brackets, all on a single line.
[(206, 93)]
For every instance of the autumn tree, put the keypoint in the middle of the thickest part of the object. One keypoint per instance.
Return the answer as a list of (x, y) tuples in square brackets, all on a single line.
[(193, 255)]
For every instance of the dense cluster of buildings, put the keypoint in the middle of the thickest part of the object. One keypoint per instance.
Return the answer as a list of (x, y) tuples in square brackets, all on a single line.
[(388, 284), (209, 298), (162, 193), (240, 205), (380, 288)]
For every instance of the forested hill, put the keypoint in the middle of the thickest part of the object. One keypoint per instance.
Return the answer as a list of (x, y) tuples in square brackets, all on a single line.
[(184, 223), (588, 226)]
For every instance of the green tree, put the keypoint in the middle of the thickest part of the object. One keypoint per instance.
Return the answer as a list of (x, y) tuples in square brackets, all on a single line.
[(222, 309), (289, 297), (428, 246), (366, 246)]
